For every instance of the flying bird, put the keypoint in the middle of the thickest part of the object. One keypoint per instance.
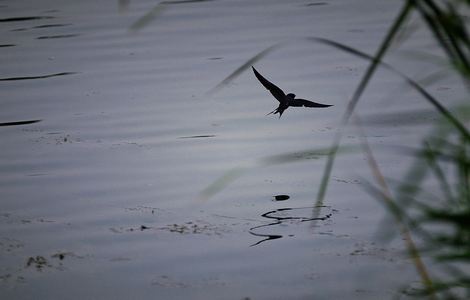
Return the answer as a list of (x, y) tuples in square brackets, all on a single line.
[(284, 100)]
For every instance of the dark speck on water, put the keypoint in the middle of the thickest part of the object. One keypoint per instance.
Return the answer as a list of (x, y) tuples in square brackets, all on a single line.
[(281, 197), (143, 227)]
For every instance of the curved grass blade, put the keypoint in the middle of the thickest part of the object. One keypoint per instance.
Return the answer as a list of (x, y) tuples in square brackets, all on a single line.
[(412, 249), (155, 12), (386, 196), (290, 157), (123, 5), (220, 183), (243, 67), (148, 17), (405, 11), (437, 105)]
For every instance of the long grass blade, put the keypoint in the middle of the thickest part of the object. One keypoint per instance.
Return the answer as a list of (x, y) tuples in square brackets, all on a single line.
[(283, 158), (374, 60), (405, 11), (148, 17), (433, 161), (387, 197), (220, 183), (243, 67)]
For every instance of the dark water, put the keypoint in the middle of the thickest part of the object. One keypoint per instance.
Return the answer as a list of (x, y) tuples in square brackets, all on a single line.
[(100, 198)]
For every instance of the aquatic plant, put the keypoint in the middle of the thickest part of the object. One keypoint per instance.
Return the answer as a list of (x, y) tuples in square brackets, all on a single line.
[(444, 156)]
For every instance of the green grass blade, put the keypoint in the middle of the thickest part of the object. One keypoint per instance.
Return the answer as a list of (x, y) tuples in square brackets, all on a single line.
[(374, 60), (290, 157), (220, 183), (243, 67), (148, 17), (357, 94)]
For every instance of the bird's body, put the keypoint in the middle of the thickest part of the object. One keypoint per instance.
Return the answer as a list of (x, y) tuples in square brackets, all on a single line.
[(284, 100)]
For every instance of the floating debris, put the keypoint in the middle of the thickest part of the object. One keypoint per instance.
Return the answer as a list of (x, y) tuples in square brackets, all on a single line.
[(281, 197), (316, 4), (36, 77), (197, 136), (198, 227), (59, 36), (39, 262), (51, 25), (19, 19), (19, 123)]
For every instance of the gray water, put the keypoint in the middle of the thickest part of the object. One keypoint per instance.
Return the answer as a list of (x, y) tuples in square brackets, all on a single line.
[(101, 199)]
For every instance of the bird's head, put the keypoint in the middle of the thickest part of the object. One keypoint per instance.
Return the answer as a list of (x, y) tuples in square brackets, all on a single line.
[(291, 95)]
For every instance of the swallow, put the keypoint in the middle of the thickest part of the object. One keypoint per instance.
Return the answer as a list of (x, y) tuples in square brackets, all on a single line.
[(284, 100)]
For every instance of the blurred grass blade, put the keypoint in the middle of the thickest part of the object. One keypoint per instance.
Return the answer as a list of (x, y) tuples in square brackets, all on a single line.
[(405, 11), (290, 157), (413, 251), (220, 183), (243, 67), (449, 116), (123, 5), (386, 196), (432, 159), (148, 17), (401, 118)]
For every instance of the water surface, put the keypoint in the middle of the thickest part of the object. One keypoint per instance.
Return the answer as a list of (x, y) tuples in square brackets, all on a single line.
[(101, 198)]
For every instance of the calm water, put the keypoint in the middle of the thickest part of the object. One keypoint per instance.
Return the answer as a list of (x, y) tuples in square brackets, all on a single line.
[(99, 200)]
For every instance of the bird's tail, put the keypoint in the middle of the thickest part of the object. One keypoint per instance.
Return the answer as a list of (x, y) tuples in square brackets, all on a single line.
[(273, 112), (277, 111)]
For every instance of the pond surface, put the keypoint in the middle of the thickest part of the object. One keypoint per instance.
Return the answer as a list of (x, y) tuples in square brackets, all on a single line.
[(101, 199)]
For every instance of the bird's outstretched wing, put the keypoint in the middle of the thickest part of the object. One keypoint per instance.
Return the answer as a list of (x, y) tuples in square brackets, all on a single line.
[(306, 103), (275, 91)]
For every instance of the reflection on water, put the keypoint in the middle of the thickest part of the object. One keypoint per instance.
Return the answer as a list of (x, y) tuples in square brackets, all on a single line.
[(59, 36), (320, 3), (281, 217), (20, 19), (51, 25), (19, 123), (37, 77), (197, 136)]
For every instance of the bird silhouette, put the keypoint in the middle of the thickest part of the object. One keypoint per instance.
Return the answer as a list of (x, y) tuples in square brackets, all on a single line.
[(284, 100)]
